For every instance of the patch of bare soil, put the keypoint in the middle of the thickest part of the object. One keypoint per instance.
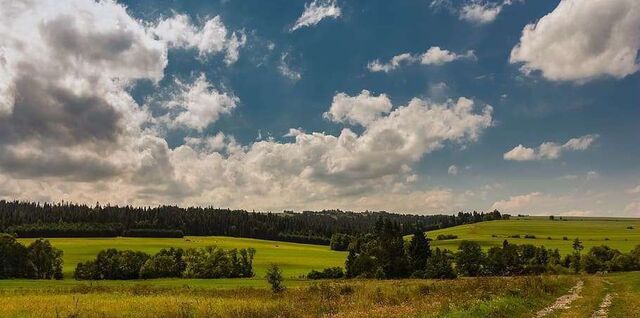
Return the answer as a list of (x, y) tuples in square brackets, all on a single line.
[(603, 309), (563, 301)]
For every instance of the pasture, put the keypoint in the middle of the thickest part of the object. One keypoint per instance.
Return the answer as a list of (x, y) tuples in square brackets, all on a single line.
[(619, 233), (467, 297), (294, 259)]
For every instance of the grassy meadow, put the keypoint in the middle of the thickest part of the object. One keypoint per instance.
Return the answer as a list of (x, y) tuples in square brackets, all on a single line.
[(482, 297), (612, 232), (294, 259)]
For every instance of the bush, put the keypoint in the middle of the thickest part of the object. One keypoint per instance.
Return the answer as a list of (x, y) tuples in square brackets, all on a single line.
[(274, 278), (529, 236), (214, 262), (13, 258), (443, 237), (340, 242), (39, 260), (469, 259), (439, 266), (45, 261), (166, 263), (327, 273), (112, 264)]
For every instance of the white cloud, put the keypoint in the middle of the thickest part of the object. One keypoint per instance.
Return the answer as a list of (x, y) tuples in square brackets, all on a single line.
[(213, 37), (395, 62), (518, 203), (520, 153), (582, 40), (481, 13), (437, 56), (549, 150), (315, 12), (71, 63), (198, 105), (473, 11), (433, 56), (286, 70), (358, 110), (453, 170)]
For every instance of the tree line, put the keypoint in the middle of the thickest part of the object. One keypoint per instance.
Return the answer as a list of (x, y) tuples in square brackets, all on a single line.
[(39, 260), (205, 262), (32, 219), (384, 254)]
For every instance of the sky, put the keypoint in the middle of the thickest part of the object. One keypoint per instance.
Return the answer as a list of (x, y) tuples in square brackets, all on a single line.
[(416, 106)]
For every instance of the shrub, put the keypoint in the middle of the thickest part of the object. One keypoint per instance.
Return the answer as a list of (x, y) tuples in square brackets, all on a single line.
[(515, 236), (340, 242), (274, 278), (439, 266), (112, 264), (13, 258), (443, 237), (214, 262), (166, 263), (327, 273), (529, 236), (45, 261), (469, 259), (564, 238)]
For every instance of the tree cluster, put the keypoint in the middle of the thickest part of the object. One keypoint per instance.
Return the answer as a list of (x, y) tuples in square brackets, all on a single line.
[(327, 273), (384, 254), (39, 260), (206, 262), (30, 219)]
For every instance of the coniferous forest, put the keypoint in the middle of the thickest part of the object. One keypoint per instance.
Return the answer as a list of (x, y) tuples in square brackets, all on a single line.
[(31, 219)]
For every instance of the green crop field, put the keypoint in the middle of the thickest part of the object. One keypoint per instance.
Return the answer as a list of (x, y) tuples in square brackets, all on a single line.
[(294, 259), (613, 232)]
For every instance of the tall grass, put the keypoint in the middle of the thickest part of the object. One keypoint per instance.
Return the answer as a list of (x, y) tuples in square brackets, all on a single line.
[(477, 297)]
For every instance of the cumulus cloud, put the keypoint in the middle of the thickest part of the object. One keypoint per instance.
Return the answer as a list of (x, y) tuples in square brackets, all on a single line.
[(549, 150), (315, 12), (198, 105), (433, 56), (453, 170), (213, 37), (362, 109), (516, 203), (70, 63), (582, 40), (75, 132)]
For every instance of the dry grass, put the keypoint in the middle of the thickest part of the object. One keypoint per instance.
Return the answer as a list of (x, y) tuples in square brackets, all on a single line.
[(477, 297)]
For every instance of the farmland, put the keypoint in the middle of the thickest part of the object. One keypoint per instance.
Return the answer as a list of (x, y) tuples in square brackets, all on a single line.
[(295, 259), (618, 233), (463, 297)]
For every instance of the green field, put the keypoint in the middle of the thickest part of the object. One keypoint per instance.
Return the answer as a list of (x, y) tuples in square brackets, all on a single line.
[(612, 232), (294, 259)]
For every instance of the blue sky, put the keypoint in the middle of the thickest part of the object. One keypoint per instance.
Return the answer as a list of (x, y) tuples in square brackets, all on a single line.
[(524, 106)]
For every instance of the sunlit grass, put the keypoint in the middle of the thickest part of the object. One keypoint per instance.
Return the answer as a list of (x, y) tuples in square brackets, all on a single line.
[(612, 232)]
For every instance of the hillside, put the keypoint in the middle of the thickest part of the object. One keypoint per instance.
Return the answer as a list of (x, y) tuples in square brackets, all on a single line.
[(294, 259), (613, 232)]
